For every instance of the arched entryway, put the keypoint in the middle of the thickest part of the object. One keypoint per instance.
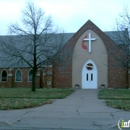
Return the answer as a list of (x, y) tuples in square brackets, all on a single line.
[(89, 75)]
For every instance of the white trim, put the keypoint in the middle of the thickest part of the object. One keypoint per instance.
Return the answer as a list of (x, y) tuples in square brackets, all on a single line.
[(1, 75), (92, 80), (38, 74), (10, 75), (21, 75)]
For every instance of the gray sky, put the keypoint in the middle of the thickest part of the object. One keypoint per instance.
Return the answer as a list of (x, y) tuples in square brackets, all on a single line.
[(67, 14)]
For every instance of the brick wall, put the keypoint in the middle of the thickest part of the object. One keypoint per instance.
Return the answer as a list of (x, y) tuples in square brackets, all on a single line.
[(61, 76), (24, 83), (117, 75)]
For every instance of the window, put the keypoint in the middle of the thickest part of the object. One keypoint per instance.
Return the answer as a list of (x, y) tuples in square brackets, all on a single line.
[(4, 75), (87, 77), (89, 66), (91, 77), (30, 75), (18, 76)]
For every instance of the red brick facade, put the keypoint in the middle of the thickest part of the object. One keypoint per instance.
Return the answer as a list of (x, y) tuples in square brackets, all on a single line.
[(60, 76), (43, 75), (117, 75)]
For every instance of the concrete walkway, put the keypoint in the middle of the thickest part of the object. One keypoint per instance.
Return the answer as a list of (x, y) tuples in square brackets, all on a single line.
[(79, 111)]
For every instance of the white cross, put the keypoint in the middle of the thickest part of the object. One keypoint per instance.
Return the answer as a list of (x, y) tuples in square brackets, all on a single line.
[(89, 39)]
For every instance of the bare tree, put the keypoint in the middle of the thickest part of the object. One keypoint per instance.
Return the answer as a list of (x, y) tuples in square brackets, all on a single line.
[(122, 38), (34, 43)]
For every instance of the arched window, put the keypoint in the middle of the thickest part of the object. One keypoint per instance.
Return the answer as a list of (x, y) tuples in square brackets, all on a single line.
[(18, 76), (4, 75), (30, 74)]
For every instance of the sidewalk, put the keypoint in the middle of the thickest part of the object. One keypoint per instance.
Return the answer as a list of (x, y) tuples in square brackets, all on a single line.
[(79, 111)]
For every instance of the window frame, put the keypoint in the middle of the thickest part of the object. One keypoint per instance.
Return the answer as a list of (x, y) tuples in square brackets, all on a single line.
[(21, 75), (6, 73)]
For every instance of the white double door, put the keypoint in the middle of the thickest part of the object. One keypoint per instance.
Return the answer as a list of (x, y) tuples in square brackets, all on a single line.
[(89, 75)]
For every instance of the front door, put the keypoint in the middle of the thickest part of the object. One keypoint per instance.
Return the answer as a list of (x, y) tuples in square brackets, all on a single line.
[(89, 75)]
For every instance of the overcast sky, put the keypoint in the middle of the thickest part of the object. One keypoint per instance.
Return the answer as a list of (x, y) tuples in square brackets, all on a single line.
[(67, 14)]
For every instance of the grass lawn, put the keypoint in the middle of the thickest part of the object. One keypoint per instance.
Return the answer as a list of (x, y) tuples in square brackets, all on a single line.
[(19, 98), (116, 98)]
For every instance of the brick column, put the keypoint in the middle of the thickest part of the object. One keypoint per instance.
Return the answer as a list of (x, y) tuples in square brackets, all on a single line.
[(49, 79), (10, 78), (38, 79)]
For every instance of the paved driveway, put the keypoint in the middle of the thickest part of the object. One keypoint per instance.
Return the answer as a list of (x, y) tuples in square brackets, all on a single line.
[(79, 111)]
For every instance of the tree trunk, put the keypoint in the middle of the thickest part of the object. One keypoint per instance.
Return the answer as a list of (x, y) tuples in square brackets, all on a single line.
[(34, 81)]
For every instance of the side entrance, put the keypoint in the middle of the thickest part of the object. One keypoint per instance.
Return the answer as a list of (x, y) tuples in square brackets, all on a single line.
[(89, 75)]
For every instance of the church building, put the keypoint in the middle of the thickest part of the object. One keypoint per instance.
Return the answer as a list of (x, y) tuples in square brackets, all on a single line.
[(93, 64)]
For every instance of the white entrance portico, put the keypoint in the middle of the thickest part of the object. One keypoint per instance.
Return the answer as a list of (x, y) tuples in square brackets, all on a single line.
[(89, 75)]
